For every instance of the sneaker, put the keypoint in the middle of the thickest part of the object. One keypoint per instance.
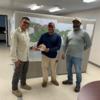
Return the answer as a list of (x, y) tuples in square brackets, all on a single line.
[(17, 93), (44, 84), (26, 87), (67, 82), (77, 89), (55, 83)]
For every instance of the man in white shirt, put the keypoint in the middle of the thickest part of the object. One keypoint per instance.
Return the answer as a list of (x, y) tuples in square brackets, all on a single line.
[(20, 56)]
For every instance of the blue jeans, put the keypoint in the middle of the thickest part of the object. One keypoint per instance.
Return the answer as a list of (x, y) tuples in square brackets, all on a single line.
[(77, 62)]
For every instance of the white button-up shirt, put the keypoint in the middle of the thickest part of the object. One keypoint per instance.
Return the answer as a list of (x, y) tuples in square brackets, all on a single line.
[(20, 45)]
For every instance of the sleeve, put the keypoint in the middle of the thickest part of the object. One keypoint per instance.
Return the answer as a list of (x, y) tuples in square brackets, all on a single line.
[(40, 40), (65, 44), (13, 49), (87, 41), (58, 45)]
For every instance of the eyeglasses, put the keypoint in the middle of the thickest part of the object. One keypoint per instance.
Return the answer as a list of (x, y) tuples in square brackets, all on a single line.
[(25, 22)]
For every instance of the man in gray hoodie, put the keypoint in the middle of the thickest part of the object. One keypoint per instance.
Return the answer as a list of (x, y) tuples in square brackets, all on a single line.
[(76, 42)]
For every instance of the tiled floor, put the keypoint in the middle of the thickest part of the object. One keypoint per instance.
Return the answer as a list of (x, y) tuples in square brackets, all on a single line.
[(38, 93)]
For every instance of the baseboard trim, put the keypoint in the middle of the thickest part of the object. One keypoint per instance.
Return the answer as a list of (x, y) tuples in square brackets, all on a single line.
[(94, 64)]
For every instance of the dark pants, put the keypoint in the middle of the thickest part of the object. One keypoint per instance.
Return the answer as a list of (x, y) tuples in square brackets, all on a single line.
[(19, 74)]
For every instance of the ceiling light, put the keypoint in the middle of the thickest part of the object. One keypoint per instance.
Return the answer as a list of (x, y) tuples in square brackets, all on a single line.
[(54, 9), (35, 7), (89, 1)]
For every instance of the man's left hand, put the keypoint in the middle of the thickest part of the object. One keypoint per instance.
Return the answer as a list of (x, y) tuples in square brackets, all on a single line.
[(46, 50)]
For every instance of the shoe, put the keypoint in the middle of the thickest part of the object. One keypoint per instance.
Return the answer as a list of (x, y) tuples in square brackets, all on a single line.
[(44, 84), (67, 82), (55, 83), (17, 93), (26, 87), (77, 89)]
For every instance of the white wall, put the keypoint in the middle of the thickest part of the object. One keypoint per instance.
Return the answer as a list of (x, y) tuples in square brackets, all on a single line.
[(6, 12), (92, 14)]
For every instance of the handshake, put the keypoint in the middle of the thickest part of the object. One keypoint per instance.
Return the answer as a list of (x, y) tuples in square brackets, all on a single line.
[(41, 47)]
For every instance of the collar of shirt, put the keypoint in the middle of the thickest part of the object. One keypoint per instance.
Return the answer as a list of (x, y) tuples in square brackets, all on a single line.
[(77, 32), (21, 30)]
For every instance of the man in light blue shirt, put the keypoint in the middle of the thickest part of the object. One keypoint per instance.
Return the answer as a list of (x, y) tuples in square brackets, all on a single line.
[(76, 42)]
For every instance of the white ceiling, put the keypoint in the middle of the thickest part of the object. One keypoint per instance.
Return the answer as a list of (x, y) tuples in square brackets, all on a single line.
[(69, 5)]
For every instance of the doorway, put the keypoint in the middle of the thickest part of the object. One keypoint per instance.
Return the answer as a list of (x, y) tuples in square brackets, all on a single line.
[(4, 30)]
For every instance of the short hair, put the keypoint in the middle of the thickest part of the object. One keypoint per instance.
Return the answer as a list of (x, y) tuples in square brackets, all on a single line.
[(51, 24), (26, 18)]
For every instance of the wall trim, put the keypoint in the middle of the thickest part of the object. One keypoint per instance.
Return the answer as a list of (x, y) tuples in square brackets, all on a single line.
[(94, 64)]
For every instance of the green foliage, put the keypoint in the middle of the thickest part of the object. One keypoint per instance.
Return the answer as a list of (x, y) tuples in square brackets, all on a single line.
[(39, 29)]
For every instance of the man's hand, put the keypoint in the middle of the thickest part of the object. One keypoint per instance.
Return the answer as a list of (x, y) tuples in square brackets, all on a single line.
[(35, 49), (63, 56), (17, 63), (46, 50)]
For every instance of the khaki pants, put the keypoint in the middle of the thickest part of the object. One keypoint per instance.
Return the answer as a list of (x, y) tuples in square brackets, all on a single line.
[(46, 62)]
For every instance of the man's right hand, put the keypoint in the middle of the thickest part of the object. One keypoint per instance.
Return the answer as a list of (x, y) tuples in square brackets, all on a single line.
[(63, 56), (35, 49), (17, 63)]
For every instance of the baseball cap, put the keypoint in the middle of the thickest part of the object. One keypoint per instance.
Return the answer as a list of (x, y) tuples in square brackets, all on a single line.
[(75, 20)]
